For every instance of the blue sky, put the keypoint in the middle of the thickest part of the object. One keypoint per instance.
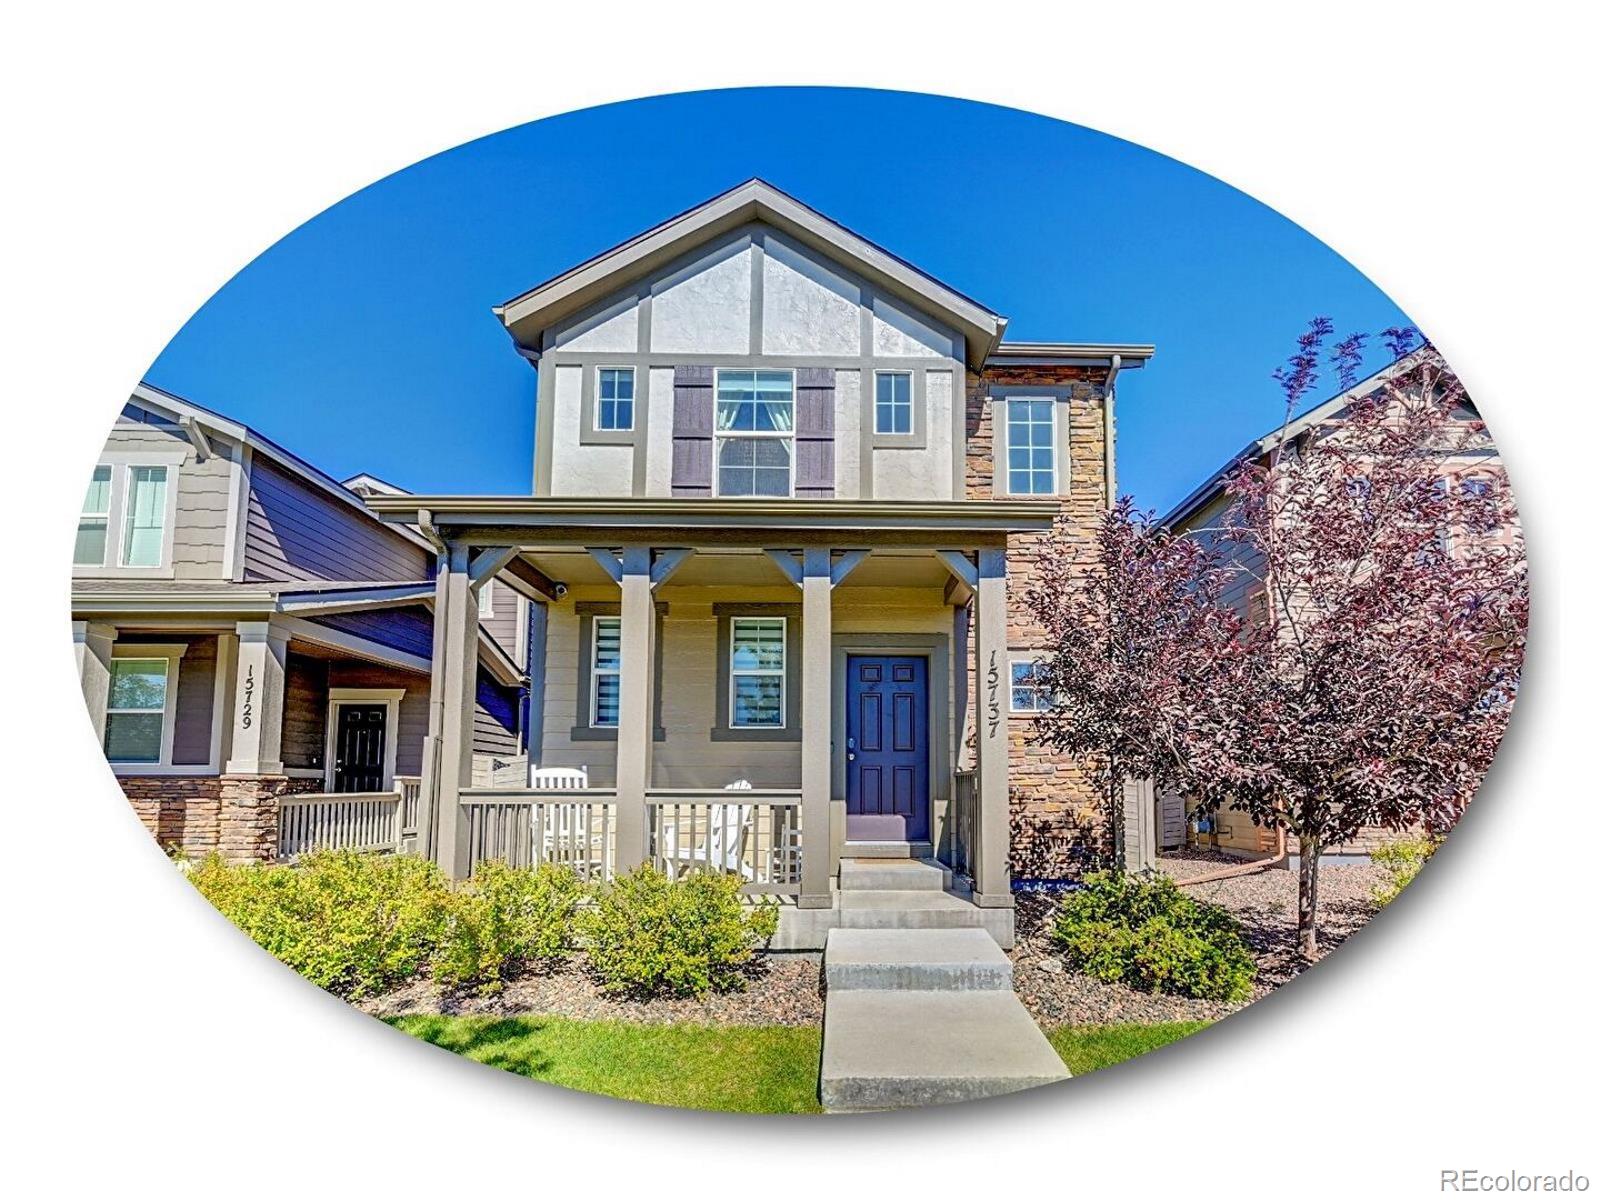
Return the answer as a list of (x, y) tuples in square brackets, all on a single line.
[(364, 339)]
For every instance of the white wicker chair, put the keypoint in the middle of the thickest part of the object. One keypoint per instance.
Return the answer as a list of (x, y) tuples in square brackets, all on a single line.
[(723, 847)]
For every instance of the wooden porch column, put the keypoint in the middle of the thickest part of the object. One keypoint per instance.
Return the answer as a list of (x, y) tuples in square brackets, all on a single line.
[(991, 871), (257, 705), (816, 725), (447, 754), (636, 712), (91, 643)]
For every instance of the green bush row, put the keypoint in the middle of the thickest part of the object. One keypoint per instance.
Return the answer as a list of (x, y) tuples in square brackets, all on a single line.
[(359, 924), (1149, 934)]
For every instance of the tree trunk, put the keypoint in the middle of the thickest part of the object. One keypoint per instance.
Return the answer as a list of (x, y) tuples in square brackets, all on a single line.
[(1310, 852)]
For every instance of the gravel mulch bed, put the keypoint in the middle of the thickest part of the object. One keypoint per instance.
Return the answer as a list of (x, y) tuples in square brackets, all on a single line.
[(781, 989), (1265, 904)]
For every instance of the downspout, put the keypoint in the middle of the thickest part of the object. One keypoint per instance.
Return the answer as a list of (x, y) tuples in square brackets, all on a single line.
[(1111, 430), (1249, 868), (426, 527)]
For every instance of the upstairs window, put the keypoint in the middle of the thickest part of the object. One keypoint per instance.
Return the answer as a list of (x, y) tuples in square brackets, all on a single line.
[(755, 433), (614, 399), (137, 708), (893, 402), (606, 673), (1031, 446), (486, 599), (95, 522), (756, 669), (144, 524)]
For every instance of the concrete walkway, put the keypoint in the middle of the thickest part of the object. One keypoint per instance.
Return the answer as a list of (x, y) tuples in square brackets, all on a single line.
[(921, 1013)]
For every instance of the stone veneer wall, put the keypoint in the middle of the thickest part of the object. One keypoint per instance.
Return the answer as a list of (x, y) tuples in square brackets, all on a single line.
[(234, 815), (1060, 818)]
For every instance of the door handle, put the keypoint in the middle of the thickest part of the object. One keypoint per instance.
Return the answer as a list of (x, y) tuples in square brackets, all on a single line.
[(850, 756)]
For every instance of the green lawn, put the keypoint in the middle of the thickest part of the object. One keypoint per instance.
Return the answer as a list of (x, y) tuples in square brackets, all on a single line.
[(732, 1068), (1086, 1048)]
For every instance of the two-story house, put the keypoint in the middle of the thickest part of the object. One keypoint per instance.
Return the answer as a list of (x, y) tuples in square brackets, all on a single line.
[(246, 630), (1472, 461), (788, 490)]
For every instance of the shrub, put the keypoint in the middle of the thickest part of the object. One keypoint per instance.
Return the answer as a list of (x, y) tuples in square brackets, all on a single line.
[(647, 933), (1401, 861), (351, 923), (1153, 937), (504, 919)]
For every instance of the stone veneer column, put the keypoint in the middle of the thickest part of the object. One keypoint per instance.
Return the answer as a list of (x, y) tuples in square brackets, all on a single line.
[(991, 872), (636, 716), (816, 725)]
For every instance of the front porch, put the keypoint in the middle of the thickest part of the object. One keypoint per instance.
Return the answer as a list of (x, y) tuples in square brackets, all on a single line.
[(685, 766)]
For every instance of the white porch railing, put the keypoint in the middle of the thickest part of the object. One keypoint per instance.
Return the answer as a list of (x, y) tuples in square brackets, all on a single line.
[(750, 832), (574, 827), (376, 822)]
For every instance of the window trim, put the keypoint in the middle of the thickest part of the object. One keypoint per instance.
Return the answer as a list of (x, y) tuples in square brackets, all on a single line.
[(1000, 416), (720, 437), (486, 600), (793, 651), (915, 426), (582, 730), (172, 654), (760, 672), (633, 402), (101, 515), (122, 464)]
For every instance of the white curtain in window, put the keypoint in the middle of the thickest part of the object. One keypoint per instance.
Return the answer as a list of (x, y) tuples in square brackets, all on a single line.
[(146, 516)]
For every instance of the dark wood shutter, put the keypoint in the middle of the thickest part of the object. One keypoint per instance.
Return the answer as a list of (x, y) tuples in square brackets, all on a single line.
[(813, 433), (692, 409)]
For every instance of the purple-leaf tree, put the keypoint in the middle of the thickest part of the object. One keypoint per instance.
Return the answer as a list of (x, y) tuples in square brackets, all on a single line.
[(1338, 649)]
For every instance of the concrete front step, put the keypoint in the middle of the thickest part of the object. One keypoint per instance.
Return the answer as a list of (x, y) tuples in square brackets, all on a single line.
[(945, 960), (893, 874), (896, 1049), (914, 909)]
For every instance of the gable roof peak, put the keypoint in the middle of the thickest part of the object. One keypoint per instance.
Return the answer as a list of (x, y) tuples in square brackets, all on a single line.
[(528, 316)]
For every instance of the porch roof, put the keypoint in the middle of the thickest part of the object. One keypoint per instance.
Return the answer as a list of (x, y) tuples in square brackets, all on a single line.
[(501, 518)]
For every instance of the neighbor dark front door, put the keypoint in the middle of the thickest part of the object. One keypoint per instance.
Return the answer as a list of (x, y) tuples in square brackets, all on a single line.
[(886, 748), (358, 748)]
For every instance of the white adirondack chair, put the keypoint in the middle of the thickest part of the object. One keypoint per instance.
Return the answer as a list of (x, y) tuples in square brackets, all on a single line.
[(567, 824), (723, 847)]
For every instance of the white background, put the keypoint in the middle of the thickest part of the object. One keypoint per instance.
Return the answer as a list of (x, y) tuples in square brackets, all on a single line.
[(151, 149)]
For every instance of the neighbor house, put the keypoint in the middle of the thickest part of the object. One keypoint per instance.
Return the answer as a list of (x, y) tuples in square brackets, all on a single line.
[(247, 630), (1204, 513), (788, 495)]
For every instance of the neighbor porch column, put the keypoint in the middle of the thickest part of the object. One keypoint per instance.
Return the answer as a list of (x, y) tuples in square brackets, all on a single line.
[(91, 643), (257, 705), (991, 871), (636, 712), (816, 725), (452, 696)]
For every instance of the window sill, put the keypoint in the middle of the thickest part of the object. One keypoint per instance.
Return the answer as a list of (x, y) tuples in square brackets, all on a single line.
[(607, 733), (727, 733)]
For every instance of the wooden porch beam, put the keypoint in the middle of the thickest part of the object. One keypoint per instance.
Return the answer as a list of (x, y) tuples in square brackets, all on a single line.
[(848, 561), (960, 566), (520, 571), (784, 560), (667, 563), (610, 561), (486, 564)]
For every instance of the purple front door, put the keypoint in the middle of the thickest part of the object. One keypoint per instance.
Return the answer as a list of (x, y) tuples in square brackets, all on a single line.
[(886, 748)]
